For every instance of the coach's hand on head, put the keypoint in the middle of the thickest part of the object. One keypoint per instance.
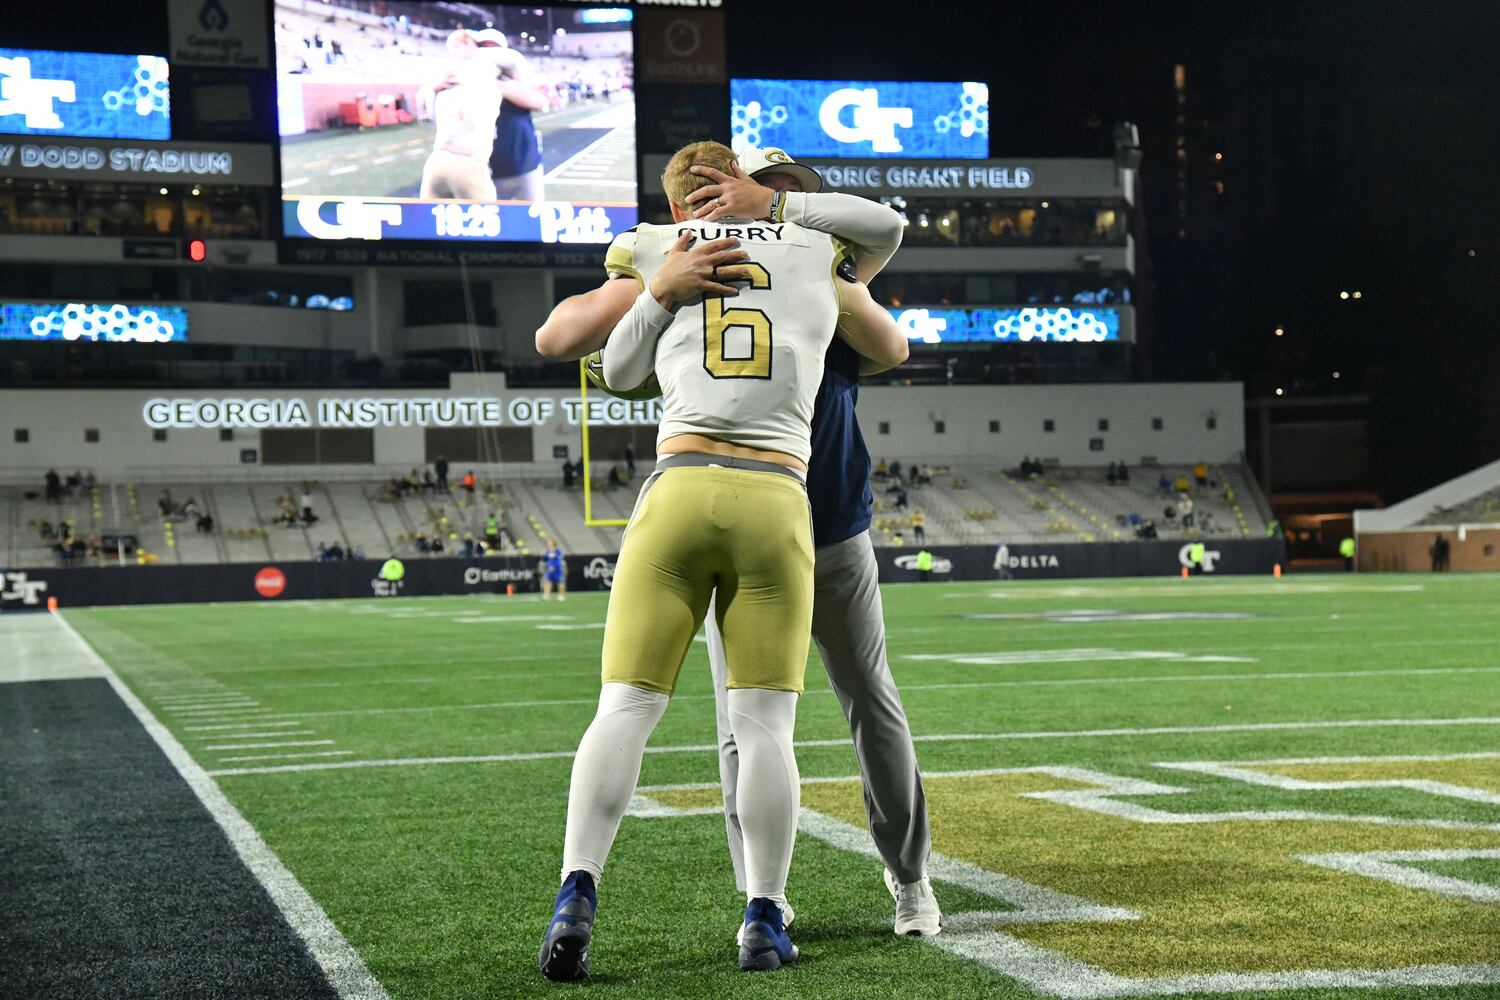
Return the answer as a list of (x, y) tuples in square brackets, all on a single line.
[(690, 272), (737, 197)]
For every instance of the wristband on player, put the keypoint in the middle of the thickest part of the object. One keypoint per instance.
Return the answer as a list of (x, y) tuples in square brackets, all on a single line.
[(778, 206)]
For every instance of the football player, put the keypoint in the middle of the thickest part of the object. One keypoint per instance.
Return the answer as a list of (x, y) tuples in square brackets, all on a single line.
[(725, 510), (848, 622)]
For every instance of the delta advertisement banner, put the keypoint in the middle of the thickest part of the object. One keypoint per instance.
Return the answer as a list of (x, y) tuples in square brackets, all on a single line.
[(30, 589)]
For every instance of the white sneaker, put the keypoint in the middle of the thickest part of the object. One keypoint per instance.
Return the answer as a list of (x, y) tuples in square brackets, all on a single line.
[(787, 916), (917, 913)]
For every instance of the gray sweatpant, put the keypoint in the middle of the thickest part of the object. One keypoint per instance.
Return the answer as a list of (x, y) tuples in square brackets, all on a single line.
[(849, 628)]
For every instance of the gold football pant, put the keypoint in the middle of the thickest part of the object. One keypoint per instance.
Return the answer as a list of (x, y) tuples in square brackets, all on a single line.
[(697, 529)]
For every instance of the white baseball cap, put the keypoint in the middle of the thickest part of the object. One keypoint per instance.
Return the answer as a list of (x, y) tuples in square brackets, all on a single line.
[(771, 160)]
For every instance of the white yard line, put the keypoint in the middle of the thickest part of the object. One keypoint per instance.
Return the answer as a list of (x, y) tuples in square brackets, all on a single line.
[(1394, 867), (344, 968), (243, 723), (1064, 734), (288, 756), (262, 746), (255, 734)]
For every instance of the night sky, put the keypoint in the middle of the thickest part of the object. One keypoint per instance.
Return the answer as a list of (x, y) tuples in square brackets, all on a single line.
[(1360, 145)]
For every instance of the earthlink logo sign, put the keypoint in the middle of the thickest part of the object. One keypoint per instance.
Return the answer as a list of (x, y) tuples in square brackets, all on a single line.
[(270, 582)]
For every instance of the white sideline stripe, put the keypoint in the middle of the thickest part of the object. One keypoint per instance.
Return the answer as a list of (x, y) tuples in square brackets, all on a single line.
[(933, 738), (198, 696), (342, 170), (345, 970), (242, 724), (1391, 866), (290, 756), (199, 706), (259, 746)]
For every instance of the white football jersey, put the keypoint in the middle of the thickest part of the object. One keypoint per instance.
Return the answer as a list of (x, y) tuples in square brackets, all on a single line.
[(744, 369)]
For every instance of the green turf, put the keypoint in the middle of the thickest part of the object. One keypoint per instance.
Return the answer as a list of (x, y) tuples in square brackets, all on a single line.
[(442, 875)]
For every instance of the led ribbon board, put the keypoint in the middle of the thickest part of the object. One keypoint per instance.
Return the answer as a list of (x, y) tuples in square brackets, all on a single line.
[(90, 94), (854, 118), (1047, 324), (96, 322)]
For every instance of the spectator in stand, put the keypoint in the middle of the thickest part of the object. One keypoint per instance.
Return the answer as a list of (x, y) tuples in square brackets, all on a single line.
[(1146, 530), (492, 530), (921, 475), (423, 545), (288, 515), (1123, 473), (918, 520), (441, 468), (1200, 473), (54, 486), (1163, 483), (205, 523), (629, 460), (165, 504), (468, 482), (616, 476), (1112, 477), (74, 481), (189, 509), (429, 484), (570, 475), (89, 480), (466, 551), (1185, 510), (1182, 485), (901, 498), (880, 470), (308, 517), (895, 470)]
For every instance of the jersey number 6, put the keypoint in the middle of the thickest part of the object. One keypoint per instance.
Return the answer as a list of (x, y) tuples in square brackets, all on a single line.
[(717, 322)]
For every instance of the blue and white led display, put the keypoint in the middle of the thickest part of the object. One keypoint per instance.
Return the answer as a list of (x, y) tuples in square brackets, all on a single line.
[(852, 118), (92, 94), (95, 322), (1051, 324)]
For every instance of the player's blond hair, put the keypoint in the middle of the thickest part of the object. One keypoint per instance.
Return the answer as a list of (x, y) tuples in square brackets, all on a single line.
[(679, 181)]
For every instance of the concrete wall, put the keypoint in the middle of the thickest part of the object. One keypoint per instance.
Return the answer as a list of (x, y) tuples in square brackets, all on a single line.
[(1449, 494), (1408, 551), (57, 421)]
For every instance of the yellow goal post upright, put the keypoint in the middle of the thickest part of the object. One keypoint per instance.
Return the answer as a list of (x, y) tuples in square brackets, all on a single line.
[(583, 421)]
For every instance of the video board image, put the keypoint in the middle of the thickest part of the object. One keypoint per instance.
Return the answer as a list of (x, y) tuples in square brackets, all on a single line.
[(442, 121)]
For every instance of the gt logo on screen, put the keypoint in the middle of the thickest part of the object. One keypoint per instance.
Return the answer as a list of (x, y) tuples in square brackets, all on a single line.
[(920, 324), (33, 97), (353, 220), (872, 123)]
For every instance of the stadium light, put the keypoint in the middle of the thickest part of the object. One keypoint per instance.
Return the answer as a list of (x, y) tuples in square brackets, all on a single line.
[(1280, 391), (1343, 295), (1358, 294), (1280, 332)]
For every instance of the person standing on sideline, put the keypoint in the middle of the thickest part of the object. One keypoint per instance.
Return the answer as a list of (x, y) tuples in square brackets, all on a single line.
[(1002, 561), (1346, 549), (924, 565), (441, 468), (1439, 553), (308, 517), (1196, 553), (554, 570)]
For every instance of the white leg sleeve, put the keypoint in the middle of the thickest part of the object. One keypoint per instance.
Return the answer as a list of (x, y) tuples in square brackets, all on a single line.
[(769, 790), (605, 771), (729, 754)]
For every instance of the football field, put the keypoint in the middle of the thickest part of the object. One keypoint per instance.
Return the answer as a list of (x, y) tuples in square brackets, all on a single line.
[(1203, 787)]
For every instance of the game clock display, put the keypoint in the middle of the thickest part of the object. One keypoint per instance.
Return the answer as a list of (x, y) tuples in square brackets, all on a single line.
[(448, 122)]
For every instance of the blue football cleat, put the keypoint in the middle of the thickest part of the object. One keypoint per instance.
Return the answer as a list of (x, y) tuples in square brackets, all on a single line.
[(764, 944), (565, 949)]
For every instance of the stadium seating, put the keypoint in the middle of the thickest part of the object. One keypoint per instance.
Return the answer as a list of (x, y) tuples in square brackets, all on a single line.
[(961, 506)]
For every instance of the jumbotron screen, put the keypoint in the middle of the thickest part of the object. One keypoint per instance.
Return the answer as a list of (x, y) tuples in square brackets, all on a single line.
[(455, 121)]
